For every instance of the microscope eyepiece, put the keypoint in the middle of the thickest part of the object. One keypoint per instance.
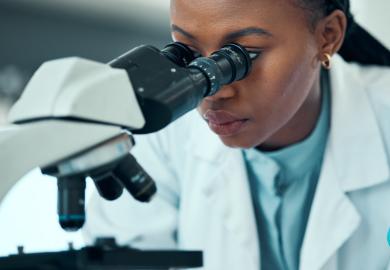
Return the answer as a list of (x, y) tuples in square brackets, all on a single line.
[(229, 64)]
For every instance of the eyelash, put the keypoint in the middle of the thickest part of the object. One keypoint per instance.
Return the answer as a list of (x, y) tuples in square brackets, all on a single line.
[(254, 54)]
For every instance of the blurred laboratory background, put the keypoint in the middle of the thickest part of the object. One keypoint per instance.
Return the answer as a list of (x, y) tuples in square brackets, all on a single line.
[(33, 31)]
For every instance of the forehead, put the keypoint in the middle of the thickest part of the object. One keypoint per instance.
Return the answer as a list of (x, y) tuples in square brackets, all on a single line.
[(226, 15)]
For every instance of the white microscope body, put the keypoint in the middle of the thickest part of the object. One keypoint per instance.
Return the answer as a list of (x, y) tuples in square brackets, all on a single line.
[(69, 106)]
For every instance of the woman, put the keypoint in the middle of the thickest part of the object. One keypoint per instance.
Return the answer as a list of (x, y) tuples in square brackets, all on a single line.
[(292, 171)]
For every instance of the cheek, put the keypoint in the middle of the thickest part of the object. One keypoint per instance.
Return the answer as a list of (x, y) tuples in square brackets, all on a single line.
[(278, 87), (285, 71), (282, 79)]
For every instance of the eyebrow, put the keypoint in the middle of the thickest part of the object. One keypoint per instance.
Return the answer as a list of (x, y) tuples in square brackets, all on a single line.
[(230, 36), (247, 32), (176, 28)]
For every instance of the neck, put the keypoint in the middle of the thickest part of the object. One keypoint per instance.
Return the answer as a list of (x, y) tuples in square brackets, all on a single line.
[(300, 126)]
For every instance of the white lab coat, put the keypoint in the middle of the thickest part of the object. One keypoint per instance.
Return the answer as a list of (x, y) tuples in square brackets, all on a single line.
[(204, 199)]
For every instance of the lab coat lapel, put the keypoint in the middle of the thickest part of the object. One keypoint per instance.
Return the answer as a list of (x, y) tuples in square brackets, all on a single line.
[(231, 181), (332, 220), (354, 159), (241, 220)]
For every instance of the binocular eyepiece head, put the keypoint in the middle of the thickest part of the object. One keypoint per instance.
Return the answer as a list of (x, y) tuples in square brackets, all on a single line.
[(229, 64)]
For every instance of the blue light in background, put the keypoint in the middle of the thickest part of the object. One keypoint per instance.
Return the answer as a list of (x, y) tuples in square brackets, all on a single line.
[(388, 237)]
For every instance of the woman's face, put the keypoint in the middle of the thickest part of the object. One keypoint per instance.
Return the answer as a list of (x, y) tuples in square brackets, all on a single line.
[(250, 112)]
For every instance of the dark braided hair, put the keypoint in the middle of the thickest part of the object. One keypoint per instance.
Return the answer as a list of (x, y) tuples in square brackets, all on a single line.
[(359, 46)]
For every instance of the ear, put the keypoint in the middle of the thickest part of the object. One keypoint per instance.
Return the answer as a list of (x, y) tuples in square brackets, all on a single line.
[(330, 32)]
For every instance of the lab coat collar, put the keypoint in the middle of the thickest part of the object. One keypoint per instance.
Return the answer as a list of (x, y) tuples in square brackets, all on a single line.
[(355, 141)]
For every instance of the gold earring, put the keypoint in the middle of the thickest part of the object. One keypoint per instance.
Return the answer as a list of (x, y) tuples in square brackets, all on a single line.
[(327, 62)]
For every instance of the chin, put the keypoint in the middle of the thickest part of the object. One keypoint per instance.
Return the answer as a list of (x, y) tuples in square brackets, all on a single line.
[(238, 142)]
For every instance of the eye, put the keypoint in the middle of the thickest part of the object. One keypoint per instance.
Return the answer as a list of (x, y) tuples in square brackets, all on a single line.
[(254, 54)]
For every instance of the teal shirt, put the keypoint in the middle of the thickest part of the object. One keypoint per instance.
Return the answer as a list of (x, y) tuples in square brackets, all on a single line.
[(283, 183)]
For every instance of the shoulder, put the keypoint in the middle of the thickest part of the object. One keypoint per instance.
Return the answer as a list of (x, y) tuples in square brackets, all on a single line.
[(353, 83), (176, 135), (178, 142), (361, 104), (181, 145), (375, 80), (375, 83)]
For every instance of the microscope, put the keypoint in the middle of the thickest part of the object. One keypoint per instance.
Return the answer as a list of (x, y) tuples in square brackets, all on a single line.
[(76, 118)]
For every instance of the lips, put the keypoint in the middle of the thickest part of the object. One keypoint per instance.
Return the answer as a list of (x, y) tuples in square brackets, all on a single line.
[(224, 123)]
